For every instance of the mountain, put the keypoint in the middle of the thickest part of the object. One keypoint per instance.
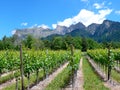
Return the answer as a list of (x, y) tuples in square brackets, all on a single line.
[(73, 27), (37, 32), (61, 30), (92, 28), (107, 31)]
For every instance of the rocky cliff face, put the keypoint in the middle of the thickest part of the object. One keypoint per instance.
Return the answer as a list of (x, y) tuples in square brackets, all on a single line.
[(108, 31), (92, 28), (36, 32)]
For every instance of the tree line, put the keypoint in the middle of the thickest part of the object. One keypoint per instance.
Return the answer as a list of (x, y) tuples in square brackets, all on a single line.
[(56, 43)]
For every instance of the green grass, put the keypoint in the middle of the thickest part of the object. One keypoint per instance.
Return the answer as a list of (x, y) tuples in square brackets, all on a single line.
[(91, 80), (9, 77), (115, 75), (60, 80)]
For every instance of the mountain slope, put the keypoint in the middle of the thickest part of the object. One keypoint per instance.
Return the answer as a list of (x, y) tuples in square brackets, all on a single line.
[(108, 31)]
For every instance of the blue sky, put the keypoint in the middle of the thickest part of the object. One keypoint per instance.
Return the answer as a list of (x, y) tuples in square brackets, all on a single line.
[(16, 14)]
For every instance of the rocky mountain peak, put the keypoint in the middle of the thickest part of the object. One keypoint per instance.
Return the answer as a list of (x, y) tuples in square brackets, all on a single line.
[(107, 23), (92, 28), (61, 29)]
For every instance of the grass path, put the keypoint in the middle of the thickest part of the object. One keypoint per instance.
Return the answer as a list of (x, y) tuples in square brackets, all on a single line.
[(112, 84), (91, 79)]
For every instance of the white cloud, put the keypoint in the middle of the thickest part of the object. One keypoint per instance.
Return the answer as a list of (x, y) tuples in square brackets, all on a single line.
[(13, 32), (66, 22), (117, 12), (43, 26), (86, 17), (99, 6), (54, 25), (24, 24)]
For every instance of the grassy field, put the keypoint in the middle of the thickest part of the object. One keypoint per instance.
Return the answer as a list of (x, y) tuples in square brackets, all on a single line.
[(91, 80), (60, 81), (115, 75)]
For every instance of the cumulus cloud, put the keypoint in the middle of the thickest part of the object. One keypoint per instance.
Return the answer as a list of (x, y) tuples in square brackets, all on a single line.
[(54, 25), (117, 12), (98, 5), (13, 32), (86, 17), (24, 24)]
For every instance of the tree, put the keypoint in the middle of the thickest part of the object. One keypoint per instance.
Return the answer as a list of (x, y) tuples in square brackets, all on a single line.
[(92, 44), (28, 42), (58, 43), (8, 43), (84, 44), (69, 39), (38, 44), (1, 45), (47, 43), (77, 42)]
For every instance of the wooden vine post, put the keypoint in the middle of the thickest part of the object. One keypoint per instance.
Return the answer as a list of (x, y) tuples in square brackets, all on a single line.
[(72, 54), (110, 61), (109, 67), (21, 68)]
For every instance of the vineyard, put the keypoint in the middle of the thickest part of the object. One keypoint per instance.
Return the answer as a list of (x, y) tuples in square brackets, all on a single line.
[(37, 66), (60, 70)]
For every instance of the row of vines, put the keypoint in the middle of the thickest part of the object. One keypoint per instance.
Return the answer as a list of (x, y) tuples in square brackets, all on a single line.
[(107, 59), (34, 62)]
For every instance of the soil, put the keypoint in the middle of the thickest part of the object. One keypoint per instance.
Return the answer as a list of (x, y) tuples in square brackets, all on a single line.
[(5, 74)]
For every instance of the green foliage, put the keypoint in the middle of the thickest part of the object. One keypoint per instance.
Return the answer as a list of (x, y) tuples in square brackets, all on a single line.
[(104, 58), (9, 60), (7, 43), (55, 43), (84, 44), (28, 42), (99, 56), (33, 61), (60, 81), (58, 43), (92, 44), (74, 60)]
